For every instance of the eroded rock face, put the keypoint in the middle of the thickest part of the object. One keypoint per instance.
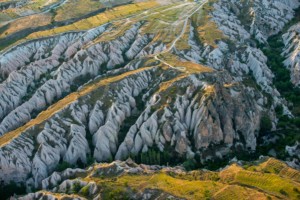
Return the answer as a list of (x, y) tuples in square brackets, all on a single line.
[(192, 117), (108, 98), (291, 52), (33, 87), (61, 183), (241, 19)]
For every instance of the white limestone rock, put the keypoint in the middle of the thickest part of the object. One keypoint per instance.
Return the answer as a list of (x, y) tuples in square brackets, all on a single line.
[(291, 52)]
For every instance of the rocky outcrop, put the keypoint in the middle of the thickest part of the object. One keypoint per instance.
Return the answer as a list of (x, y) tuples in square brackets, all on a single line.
[(203, 120), (241, 19), (149, 182), (65, 138), (92, 95), (68, 188), (291, 52), (58, 76)]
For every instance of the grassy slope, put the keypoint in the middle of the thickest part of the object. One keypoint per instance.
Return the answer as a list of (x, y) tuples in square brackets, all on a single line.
[(245, 184), (234, 182), (76, 8), (63, 103), (64, 13)]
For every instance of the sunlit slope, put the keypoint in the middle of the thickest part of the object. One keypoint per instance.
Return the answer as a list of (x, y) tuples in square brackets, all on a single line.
[(67, 16), (128, 180), (134, 80), (165, 24)]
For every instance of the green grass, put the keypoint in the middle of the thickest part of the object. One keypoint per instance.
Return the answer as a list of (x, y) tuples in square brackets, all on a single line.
[(96, 20), (232, 183), (270, 183), (76, 8), (206, 30)]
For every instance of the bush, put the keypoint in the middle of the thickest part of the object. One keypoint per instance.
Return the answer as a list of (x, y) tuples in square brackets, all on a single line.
[(90, 160), (207, 194), (283, 192), (10, 189), (279, 110), (189, 164), (76, 187), (117, 194), (265, 124), (297, 122), (85, 191), (62, 166)]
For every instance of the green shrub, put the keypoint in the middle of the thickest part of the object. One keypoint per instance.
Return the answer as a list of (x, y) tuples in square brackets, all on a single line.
[(265, 124), (85, 190), (62, 166), (76, 187), (296, 190), (283, 192), (10, 189), (189, 164)]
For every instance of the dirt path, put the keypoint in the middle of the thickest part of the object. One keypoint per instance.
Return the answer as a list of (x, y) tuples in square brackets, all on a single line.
[(179, 36)]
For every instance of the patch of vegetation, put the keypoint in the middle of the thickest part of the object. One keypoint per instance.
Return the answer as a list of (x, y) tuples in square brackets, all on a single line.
[(98, 19), (76, 187), (265, 124), (288, 128), (207, 31), (63, 165), (85, 190), (115, 193), (153, 157), (190, 164), (10, 189), (229, 183), (73, 9)]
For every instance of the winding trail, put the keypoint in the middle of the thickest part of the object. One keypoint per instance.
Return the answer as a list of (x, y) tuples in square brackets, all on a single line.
[(63, 103), (178, 37)]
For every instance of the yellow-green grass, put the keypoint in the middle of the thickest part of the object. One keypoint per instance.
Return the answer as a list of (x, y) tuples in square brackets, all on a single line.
[(76, 8), (207, 30), (97, 20), (31, 21), (52, 110), (118, 29), (274, 166), (270, 183), (85, 24), (8, 14), (60, 196), (38, 5), (231, 183), (167, 24), (188, 67), (34, 6), (231, 192), (167, 84), (161, 181), (183, 43)]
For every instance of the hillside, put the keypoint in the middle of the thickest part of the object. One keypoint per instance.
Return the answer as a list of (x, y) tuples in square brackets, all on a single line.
[(269, 179), (164, 82)]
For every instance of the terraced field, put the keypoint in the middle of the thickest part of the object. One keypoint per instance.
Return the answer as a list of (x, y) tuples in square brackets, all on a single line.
[(125, 179)]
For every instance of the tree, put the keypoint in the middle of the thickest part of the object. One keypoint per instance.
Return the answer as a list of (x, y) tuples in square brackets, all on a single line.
[(265, 124)]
